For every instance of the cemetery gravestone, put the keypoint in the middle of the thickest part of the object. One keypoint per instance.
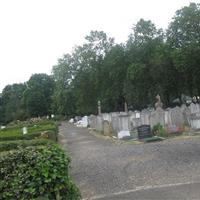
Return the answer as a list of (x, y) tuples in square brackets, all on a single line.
[(107, 129), (123, 134), (144, 131), (24, 130)]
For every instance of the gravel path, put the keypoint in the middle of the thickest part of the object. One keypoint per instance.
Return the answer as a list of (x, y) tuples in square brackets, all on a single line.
[(102, 167)]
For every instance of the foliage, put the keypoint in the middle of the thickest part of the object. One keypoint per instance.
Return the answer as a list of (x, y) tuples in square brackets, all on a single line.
[(151, 62), (11, 103), (34, 131), (159, 130), (32, 99), (16, 144), (38, 95), (183, 37), (36, 172)]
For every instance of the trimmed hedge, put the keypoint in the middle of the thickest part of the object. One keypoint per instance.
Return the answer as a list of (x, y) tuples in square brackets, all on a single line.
[(39, 172), (51, 135), (34, 131), (16, 144)]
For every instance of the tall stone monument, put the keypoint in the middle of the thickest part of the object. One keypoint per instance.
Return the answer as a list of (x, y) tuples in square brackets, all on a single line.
[(125, 107), (158, 116), (99, 107), (158, 104)]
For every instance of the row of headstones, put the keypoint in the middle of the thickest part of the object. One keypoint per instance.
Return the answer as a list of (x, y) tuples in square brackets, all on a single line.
[(173, 119)]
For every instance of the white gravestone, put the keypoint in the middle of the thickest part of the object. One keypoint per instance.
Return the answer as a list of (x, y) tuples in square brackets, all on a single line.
[(24, 130), (122, 134)]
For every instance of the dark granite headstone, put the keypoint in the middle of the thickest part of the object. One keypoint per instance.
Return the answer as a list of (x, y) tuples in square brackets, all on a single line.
[(144, 131)]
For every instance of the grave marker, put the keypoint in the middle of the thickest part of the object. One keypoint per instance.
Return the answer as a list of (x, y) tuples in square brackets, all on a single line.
[(144, 131)]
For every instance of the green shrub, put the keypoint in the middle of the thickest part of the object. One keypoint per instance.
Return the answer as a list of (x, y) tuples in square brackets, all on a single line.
[(159, 130), (16, 144), (39, 172), (51, 135)]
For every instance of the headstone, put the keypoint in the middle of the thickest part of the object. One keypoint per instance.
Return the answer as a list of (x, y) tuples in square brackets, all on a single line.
[(115, 123), (134, 133), (99, 123), (144, 131), (137, 115), (84, 122), (122, 134), (186, 114), (167, 117), (177, 116), (145, 117), (157, 117), (135, 120), (106, 116), (71, 120), (24, 130), (107, 128), (3, 127), (92, 121), (195, 122), (193, 108)]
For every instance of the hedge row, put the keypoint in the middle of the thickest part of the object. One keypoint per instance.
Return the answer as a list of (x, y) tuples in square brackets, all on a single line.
[(16, 144), (39, 172), (15, 133), (49, 134)]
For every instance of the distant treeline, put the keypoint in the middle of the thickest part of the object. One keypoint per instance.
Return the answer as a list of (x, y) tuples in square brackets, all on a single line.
[(152, 61)]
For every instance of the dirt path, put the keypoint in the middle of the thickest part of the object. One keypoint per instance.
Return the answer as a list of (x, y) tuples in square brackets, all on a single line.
[(101, 167)]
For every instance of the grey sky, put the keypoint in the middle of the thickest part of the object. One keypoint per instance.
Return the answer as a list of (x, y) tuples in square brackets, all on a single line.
[(35, 33)]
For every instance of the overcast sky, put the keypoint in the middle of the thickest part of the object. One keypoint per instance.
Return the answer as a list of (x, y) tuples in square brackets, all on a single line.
[(35, 33)]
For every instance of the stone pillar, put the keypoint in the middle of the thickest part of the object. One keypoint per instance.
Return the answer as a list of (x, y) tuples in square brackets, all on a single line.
[(99, 107), (125, 107), (158, 104)]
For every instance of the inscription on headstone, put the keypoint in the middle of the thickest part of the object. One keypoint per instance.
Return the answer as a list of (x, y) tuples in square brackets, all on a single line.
[(144, 131)]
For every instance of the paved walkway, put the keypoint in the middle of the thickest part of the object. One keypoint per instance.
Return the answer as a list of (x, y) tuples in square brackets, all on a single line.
[(105, 170)]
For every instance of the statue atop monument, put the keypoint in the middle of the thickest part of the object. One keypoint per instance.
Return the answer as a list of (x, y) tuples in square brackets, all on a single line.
[(158, 104)]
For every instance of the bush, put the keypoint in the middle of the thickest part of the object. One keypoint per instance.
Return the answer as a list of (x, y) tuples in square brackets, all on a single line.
[(159, 130), (51, 135), (16, 144), (39, 172)]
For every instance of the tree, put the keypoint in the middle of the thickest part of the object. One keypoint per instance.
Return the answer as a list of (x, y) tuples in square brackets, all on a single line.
[(77, 76), (63, 74), (142, 49), (38, 95), (89, 62), (111, 79), (11, 103), (183, 37)]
